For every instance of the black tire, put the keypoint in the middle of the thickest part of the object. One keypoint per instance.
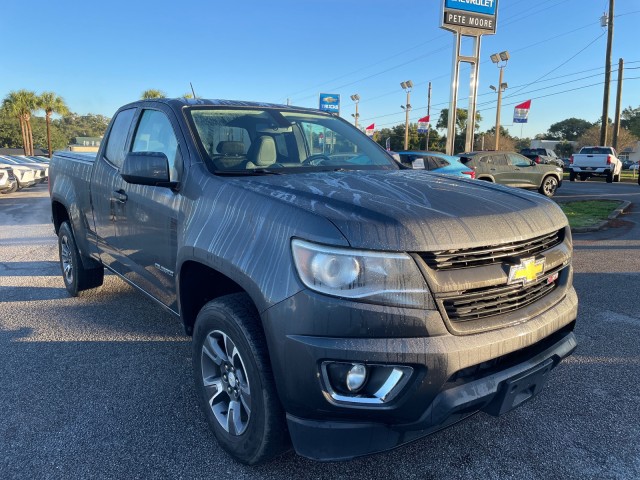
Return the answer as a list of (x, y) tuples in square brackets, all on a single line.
[(610, 177), (572, 176), (76, 277), (616, 178), (584, 177), (230, 356), (549, 186)]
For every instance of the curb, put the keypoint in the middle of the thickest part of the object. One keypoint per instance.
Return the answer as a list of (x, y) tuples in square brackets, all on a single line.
[(624, 205)]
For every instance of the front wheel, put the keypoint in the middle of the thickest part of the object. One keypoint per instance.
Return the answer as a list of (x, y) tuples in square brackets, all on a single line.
[(549, 186), (76, 277), (572, 176), (234, 382)]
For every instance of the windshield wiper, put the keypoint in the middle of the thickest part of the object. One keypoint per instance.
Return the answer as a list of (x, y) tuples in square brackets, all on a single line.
[(248, 173)]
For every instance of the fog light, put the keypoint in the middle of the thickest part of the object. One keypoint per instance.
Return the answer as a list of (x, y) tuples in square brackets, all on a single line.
[(356, 377)]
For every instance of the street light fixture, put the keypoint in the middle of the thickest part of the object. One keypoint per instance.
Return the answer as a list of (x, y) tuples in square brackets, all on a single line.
[(356, 98), (406, 86), (500, 59)]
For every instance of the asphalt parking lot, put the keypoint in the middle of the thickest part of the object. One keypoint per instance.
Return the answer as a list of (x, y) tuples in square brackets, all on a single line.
[(101, 387)]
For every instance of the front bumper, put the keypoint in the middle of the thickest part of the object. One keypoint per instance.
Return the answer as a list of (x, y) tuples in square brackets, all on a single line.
[(452, 376)]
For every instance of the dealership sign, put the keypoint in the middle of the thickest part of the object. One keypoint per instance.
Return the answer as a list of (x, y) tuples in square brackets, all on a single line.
[(470, 17), (330, 102)]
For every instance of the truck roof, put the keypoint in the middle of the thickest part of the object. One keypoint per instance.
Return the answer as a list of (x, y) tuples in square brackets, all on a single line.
[(178, 103)]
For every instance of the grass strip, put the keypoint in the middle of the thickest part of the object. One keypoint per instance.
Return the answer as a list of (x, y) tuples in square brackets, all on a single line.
[(588, 213)]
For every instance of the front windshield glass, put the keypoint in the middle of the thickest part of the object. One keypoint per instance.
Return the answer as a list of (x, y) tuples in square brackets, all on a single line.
[(282, 141)]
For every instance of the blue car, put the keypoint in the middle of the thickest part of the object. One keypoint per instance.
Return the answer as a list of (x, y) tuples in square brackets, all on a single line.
[(434, 162)]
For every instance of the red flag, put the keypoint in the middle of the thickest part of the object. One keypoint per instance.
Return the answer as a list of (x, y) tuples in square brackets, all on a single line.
[(425, 119), (371, 127), (525, 105)]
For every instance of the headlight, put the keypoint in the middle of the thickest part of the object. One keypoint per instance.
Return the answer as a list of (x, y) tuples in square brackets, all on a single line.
[(374, 277)]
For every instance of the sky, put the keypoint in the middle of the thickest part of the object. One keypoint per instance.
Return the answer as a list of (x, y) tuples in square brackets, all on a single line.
[(101, 55)]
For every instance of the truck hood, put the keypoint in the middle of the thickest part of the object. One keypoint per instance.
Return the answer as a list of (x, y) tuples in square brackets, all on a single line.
[(412, 210)]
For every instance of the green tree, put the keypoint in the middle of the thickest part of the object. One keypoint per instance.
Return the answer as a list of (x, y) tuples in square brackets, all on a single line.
[(21, 105), (564, 149), (592, 137), (569, 129), (152, 93), (461, 120), (631, 120), (51, 103)]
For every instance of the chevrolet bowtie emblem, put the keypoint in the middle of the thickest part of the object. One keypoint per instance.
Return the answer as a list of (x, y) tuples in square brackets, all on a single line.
[(527, 271)]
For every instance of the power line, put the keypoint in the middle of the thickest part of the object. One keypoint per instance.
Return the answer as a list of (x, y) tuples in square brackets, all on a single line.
[(508, 21)]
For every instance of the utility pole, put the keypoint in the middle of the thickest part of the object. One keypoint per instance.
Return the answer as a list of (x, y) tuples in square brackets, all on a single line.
[(498, 112), (607, 78), (407, 86), (616, 120), (426, 147)]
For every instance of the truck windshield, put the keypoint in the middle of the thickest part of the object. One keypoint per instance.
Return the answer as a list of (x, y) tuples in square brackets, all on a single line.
[(259, 140)]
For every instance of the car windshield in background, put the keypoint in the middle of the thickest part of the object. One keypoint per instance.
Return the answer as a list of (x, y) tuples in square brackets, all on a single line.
[(246, 141)]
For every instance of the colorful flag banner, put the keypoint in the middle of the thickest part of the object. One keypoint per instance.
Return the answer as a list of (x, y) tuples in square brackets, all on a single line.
[(521, 112), (369, 130), (423, 124)]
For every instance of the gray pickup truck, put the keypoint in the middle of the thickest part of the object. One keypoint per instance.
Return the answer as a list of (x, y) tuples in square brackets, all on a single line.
[(336, 302)]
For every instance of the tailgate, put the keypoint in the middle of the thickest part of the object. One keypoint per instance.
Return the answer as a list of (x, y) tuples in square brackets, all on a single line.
[(589, 160)]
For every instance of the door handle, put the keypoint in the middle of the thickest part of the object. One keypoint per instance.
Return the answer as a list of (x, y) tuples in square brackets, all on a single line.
[(119, 196)]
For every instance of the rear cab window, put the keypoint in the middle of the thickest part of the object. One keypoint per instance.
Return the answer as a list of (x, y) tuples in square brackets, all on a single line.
[(114, 151)]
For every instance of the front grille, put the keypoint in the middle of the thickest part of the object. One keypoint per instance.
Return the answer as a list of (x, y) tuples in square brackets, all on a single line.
[(488, 255), (479, 303)]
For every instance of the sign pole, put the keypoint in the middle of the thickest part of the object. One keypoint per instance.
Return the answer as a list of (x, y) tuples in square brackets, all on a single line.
[(453, 103), (470, 19), (473, 94), (426, 146)]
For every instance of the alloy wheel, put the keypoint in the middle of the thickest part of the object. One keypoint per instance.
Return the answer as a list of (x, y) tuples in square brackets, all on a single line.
[(66, 259), (225, 381)]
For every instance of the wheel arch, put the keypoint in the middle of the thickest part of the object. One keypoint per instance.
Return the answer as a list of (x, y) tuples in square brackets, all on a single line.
[(198, 284)]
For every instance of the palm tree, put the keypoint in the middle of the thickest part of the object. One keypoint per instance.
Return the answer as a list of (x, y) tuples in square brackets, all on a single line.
[(51, 103), (152, 93), (21, 105)]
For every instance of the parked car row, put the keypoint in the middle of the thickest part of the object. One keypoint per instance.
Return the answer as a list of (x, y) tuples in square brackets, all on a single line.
[(8, 182), (22, 172), (506, 168)]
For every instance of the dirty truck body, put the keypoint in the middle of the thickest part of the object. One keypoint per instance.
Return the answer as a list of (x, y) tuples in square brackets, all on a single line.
[(336, 302)]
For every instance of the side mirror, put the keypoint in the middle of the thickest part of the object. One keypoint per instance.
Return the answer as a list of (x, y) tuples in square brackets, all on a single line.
[(147, 168)]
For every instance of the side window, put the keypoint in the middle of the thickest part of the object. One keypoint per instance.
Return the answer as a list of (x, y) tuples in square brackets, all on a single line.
[(439, 162), (114, 151), (155, 134), (518, 161)]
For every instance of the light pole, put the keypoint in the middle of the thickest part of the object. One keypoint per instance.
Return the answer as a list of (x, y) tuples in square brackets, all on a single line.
[(406, 86), (500, 59), (356, 98)]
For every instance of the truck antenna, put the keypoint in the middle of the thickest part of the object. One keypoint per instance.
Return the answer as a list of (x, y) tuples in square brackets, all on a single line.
[(193, 91)]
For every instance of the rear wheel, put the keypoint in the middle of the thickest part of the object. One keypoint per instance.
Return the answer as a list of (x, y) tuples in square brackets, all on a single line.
[(234, 382), (616, 178), (549, 186), (610, 177), (76, 277)]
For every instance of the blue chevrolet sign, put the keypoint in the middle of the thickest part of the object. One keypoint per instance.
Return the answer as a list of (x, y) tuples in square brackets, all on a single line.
[(486, 7), (470, 17), (330, 102)]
